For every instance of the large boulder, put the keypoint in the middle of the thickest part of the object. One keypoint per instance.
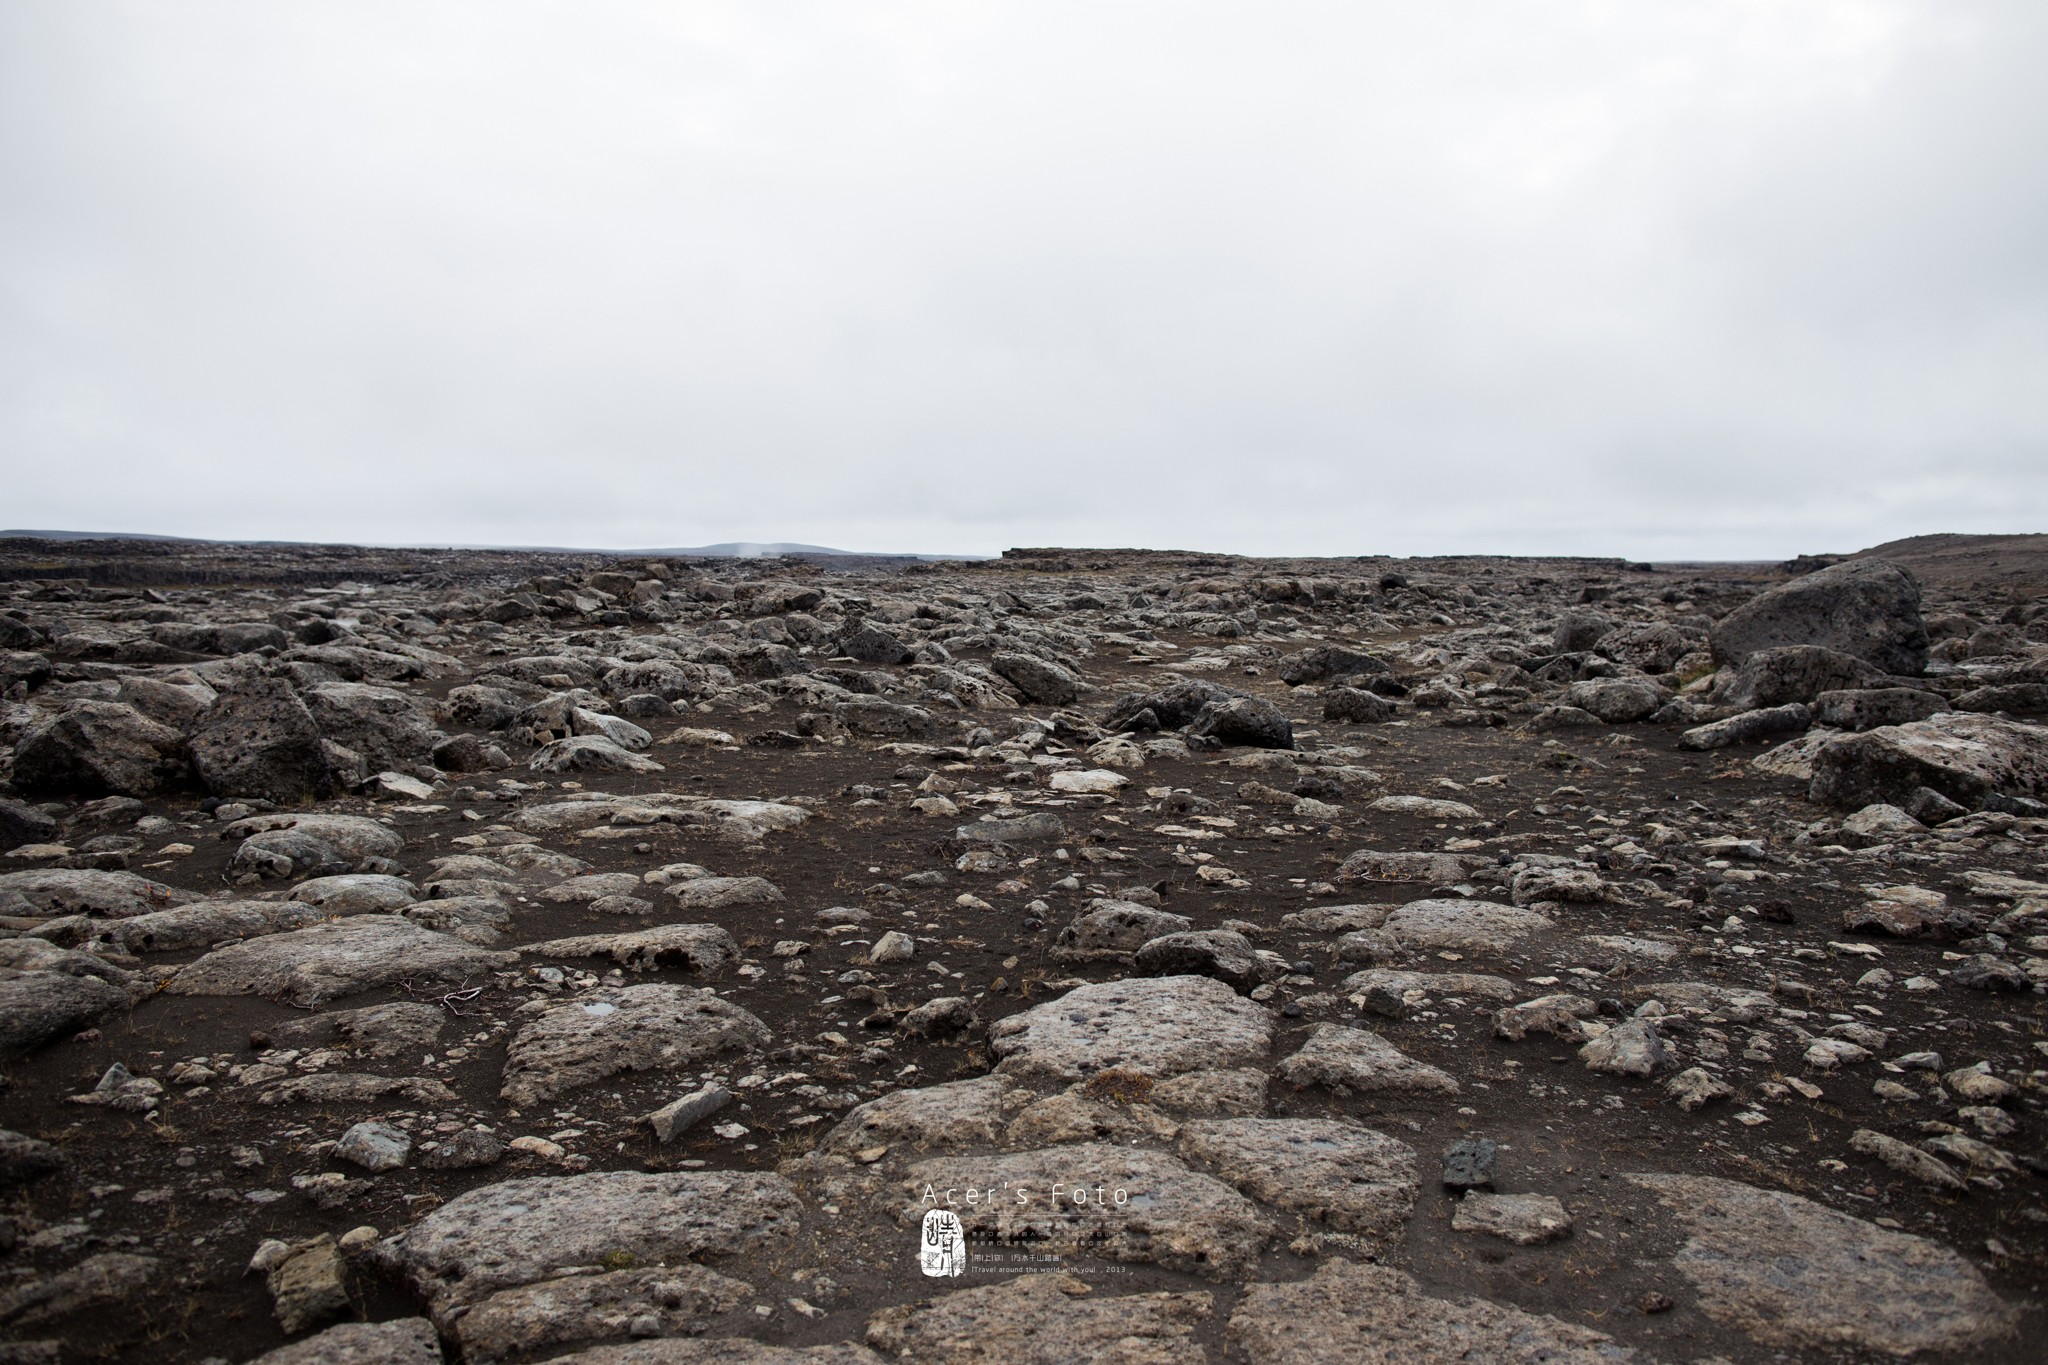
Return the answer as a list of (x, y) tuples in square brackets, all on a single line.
[(1249, 721), (100, 748), (1869, 608), (1323, 662), (21, 824), (1617, 700), (259, 739), (873, 645), (1168, 708), (1789, 673), (1040, 680), (385, 726), (1964, 756)]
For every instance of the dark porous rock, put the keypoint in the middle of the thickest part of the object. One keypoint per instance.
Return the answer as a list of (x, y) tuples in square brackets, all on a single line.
[(1469, 1163), (1169, 708), (1579, 631), (1617, 701), (466, 1150), (1223, 954), (1112, 931), (1653, 648), (873, 645), (23, 1158), (21, 824), (258, 739), (1323, 662), (1869, 608), (94, 748), (387, 727), (1039, 680), (1983, 972), (2022, 697), (38, 1007), (1355, 706), (886, 719), (1248, 721)]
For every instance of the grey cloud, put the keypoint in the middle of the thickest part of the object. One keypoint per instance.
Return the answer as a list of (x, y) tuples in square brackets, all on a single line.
[(1672, 281)]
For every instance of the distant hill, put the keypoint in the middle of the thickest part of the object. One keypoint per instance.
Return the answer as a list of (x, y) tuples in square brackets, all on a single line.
[(731, 549), (105, 535), (2015, 562)]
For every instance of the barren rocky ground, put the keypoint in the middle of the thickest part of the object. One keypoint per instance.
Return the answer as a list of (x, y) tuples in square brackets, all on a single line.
[(409, 956)]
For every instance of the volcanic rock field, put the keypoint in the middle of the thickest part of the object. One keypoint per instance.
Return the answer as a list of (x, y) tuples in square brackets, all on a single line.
[(491, 957)]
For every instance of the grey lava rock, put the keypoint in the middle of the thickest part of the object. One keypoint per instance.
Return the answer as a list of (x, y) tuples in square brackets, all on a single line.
[(1469, 1163), (521, 1232), (1868, 608), (635, 1028), (258, 739), (97, 748), (1795, 1274)]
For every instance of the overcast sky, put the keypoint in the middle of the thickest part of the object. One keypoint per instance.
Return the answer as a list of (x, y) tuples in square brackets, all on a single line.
[(1719, 278)]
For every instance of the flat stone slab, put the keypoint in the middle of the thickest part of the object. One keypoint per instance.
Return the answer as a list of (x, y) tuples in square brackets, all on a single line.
[(720, 1351), (634, 1028), (521, 1232), (51, 891), (1794, 1273), (1478, 927), (1333, 1171), (1349, 1314), (1524, 1219), (404, 1341), (1053, 1319), (356, 893), (1474, 984), (592, 886), (722, 893), (1160, 1027), (1073, 1116), (351, 836), (695, 947), (1359, 1061), (1239, 1091), (208, 923), (957, 1114), (388, 1030), (659, 1301), (312, 966), (1140, 1206)]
